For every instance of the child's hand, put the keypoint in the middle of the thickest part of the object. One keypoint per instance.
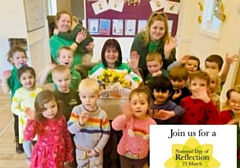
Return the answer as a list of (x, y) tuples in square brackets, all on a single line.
[(231, 59), (30, 114), (90, 46), (127, 111), (51, 66), (234, 121), (134, 59), (165, 115), (7, 74), (83, 117), (55, 31), (92, 153), (202, 95), (177, 94), (159, 73), (81, 36), (184, 59)]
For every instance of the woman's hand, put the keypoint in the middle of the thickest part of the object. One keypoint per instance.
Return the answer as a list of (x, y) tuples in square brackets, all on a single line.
[(81, 36), (55, 31), (90, 46), (169, 46)]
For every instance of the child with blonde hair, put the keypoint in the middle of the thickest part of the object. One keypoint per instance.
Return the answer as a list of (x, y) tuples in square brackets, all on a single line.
[(24, 98), (54, 146), (17, 56), (154, 65), (90, 125), (134, 122)]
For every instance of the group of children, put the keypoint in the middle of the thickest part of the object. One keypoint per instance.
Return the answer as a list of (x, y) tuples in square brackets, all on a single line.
[(68, 124)]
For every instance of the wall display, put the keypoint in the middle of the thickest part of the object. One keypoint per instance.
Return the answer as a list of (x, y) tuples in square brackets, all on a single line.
[(100, 6), (141, 25), (117, 27), (104, 26), (93, 26), (116, 10), (34, 14)]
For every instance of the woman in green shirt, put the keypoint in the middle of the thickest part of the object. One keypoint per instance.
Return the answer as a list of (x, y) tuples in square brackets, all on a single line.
[(155, 38)]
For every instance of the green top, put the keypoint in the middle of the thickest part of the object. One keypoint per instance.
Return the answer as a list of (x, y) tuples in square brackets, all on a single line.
[(137, 45), (152, 47), (72, 36), (13, 81), (75, 79), (57, 42), (123, 66)]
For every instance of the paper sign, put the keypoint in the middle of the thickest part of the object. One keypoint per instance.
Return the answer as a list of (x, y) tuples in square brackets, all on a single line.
[(104, 26), (157, 4), (100, 6), (171, 7), (130, 26), (116, 5), (200, 146), (117, 27), (141, 25), (93, 25)]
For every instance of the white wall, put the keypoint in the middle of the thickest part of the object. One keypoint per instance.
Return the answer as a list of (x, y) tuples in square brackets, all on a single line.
[(203, 45), (14, 26)]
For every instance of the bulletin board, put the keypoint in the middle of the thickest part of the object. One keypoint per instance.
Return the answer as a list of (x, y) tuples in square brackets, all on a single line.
[(129, 12), (34, 12)]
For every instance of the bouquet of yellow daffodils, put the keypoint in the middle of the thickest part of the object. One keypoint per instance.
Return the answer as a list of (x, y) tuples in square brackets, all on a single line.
[(116, 83)]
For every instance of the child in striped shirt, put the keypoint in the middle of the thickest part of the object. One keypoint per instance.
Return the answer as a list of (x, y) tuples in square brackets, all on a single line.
[(90, 125)]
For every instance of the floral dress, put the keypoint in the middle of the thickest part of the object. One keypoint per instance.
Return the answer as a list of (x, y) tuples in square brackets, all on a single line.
[(54, 145)]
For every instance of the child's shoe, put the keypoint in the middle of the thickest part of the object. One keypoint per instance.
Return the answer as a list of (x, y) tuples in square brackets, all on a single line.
[(28, 159), (19, 147)]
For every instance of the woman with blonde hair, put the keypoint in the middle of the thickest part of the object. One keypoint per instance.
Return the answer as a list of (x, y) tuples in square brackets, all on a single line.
[(155, 38)]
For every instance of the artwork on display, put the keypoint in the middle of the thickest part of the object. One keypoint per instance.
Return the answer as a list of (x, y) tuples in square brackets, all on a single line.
[(170, 25), (93, 26), (116, 5), (100, 6), (172, 7), (130, 27), (157, 4), (104, 26), (141, 25), (117, 27)]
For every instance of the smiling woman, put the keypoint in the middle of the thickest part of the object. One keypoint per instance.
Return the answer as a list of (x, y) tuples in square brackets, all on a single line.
[(155, 39)]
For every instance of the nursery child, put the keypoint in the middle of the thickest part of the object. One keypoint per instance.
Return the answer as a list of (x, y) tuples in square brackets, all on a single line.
[(133, 148), (214, 63), (53, 147), (90, 125), (154, 65), (24, 98), (17, 56), (199, 108), (68, 96), (163, 110), (179, 77), (232, 114), (214, 88), (65, 57), (77, 27)]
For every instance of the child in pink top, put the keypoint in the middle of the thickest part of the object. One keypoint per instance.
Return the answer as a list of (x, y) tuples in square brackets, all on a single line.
[(134, 145), (53, 146)]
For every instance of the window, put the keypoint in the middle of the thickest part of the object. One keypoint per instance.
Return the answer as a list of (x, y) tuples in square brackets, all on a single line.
[(52, 7)]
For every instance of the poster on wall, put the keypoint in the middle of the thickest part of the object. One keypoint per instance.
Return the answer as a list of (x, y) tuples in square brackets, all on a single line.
[(141, 25), (172, 7), (157, 4), (117, 27), (130, 27), (104, 26), (100, 6), (93, 26), (116, 5)]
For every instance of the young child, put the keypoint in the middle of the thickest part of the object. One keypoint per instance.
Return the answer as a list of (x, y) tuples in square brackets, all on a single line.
[(199, 108), (190, 62), (90, 125), (77, 27), (163, 110), (65, 57), (214, 88), (232, 114), (24, 98), (214, 63), (17, 56), (179, 77), (134, 122), (53, 147), (154, 66), (68, 96)]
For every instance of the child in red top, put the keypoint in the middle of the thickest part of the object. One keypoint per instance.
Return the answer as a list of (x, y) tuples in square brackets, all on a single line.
[(232, 114), (199, 108), (54, 145)]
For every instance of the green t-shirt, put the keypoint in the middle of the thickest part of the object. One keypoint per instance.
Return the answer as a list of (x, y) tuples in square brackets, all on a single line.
[(152, 47), (13, 82)]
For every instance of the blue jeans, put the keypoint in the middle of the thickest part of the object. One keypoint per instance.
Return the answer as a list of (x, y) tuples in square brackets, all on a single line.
[(27, 146)]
